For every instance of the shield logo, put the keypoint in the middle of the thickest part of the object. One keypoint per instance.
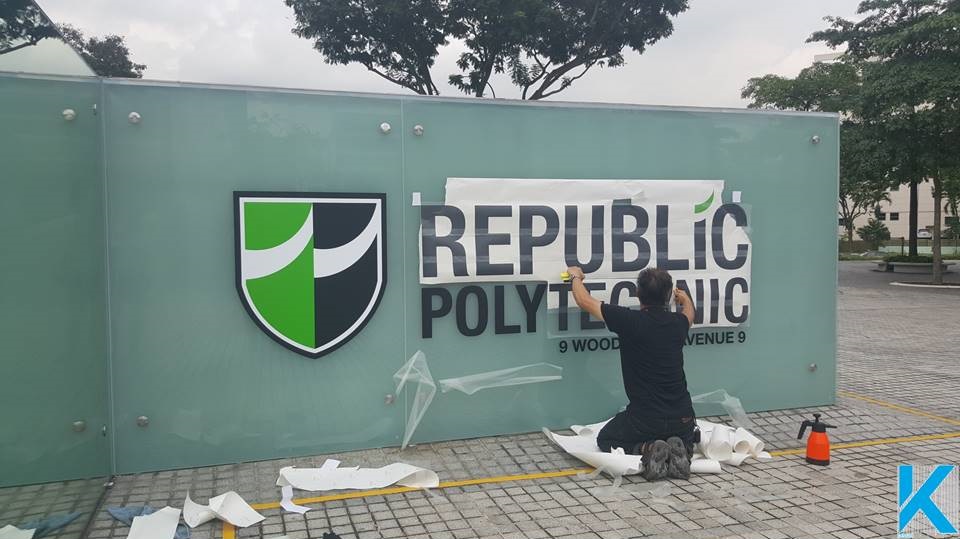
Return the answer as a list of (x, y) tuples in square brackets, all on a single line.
[(311, 267)]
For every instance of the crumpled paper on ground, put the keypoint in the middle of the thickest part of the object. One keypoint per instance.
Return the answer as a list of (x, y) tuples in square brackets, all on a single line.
[(716, 447), (228, 507), (161, 524), (336, 478), (126, 514), (12, 532)]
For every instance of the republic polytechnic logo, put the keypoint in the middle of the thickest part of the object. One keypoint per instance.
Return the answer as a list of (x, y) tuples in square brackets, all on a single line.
[(311, 267)]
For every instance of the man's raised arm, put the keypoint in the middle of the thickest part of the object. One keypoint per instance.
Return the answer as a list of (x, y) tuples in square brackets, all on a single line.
[(581, 295)]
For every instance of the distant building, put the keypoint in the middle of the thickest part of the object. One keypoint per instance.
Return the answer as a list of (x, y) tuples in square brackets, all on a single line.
[(896, 213)]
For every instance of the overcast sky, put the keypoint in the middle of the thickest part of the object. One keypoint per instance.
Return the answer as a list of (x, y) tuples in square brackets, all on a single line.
[(716, 46)]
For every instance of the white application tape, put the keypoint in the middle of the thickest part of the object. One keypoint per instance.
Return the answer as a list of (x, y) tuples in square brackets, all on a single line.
[(228, 507), (334, 478), (716, 447)]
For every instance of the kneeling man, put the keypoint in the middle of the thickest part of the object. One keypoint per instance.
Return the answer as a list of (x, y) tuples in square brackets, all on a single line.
[(659, 421)]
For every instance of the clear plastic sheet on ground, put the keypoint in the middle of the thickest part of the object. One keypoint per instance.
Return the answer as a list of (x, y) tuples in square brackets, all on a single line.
[(526, 374), (45, 526)]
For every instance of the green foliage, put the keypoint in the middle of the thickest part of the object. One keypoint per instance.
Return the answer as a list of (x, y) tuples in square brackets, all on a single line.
[(864, 158), (570, 37), (544, 46), (107, 56), (874, 233), (22, 25), (821, 87), (396, 39), (908, 52)]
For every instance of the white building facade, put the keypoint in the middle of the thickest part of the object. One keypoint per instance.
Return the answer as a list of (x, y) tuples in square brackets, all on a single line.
[(896, 213)]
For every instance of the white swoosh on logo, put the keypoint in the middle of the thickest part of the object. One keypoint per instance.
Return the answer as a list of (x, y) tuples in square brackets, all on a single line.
[(258, 263), (332, 261)]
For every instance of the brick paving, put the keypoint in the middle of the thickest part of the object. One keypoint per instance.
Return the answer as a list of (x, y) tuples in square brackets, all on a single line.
[(896, 344)]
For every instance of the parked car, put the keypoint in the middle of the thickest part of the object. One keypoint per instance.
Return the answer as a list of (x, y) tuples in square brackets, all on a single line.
[(924, 234)]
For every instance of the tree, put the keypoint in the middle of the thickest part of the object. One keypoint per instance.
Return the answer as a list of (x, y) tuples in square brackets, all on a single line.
[(543, 45), (107, 56), (874, 233), (824, 87), (908, 52), (22, 25), (573, 36), (864, 173), (864, 159)]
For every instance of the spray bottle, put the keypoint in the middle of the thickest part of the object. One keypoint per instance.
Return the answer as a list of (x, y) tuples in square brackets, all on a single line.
[(818, 445)]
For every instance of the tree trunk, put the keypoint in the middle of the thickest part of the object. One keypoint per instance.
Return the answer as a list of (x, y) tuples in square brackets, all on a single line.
[(935, 248), (913, 218)]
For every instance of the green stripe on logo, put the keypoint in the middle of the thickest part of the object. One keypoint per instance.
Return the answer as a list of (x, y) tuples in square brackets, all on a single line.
[(704, 206)]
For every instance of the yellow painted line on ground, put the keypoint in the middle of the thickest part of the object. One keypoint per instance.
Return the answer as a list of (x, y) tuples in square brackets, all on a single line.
[(869, 443), (904, 409), (229, 532), (446, 484)]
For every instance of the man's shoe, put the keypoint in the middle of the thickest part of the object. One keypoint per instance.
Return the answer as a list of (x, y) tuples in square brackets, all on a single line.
[(678, 465), (654, 459)]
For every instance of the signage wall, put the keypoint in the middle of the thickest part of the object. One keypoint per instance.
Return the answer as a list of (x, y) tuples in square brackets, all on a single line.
[(270, 265)]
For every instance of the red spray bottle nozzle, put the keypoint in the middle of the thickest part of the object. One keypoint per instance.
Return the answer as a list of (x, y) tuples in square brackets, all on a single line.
[(815, 425)]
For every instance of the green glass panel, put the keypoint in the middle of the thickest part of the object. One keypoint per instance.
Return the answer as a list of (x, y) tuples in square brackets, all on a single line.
[(789, 184), (53, 349), (186, 353), (217, 388)]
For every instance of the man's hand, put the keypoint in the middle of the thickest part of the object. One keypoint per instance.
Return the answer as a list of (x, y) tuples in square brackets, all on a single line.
[(581, 295), (575, 271), (685, 303)]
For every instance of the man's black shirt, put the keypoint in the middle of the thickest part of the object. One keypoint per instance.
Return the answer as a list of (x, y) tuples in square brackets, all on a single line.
[(651, 357)]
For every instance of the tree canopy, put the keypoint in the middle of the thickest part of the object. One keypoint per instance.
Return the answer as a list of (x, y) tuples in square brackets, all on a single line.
[(107, 56), (22, 25), (897, 86), (865, 161), (908, 52), (544, 46)]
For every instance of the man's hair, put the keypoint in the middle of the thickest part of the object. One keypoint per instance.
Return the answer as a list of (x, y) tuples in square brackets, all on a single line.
[(654, 287)]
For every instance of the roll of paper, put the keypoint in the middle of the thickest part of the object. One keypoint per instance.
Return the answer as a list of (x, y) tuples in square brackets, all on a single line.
[(745, 442), (720, 446), (705, 466)]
